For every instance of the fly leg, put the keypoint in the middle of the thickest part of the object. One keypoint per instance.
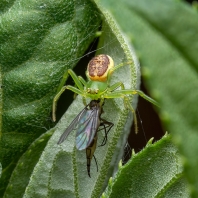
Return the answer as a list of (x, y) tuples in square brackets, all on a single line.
[(106, 126)]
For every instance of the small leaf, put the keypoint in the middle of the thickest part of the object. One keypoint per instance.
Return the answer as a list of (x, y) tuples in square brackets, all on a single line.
[(39, 41), (156, 171), (0, 170), (25, 166)]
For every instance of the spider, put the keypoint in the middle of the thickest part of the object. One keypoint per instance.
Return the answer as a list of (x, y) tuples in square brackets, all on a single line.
[(99, 71)]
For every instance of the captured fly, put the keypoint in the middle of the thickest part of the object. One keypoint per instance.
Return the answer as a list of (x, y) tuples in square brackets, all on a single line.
[(106, 126), (87, 123)]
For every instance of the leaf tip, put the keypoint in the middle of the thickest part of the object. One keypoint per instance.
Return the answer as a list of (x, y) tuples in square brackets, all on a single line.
[(166, 134), (41, 140), (103, 195), (120, 164), (133, 152), (110, 181), (150, 141)]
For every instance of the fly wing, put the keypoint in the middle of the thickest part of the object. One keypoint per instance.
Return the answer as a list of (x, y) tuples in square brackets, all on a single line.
[(87, 129), (72, 126), (83, 132)]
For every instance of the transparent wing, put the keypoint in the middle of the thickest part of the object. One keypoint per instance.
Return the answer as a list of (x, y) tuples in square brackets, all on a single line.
[(87, 129), (72, 126)]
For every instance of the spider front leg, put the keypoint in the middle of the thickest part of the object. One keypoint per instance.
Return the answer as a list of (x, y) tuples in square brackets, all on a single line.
[(123, 94), (55, 100), (133, 92), (115, 86), (69, 87), (84, 83), (82, 80), (78, 83), (127, 104), (79, 90)]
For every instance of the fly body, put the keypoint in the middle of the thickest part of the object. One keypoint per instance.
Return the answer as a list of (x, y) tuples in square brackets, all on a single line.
[(87, 123)]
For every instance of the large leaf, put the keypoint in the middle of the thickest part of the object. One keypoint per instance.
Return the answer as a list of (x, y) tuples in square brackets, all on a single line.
[(22, 172), (61, 170), (39, 41), (156, 171), (165, 33), (0, 170)]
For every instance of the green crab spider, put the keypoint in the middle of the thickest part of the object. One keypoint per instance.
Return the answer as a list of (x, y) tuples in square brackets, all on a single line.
[(98, 86)]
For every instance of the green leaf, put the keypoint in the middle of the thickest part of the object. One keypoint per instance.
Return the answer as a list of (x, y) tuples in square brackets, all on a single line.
[(22, 172), (159, 173), (39, 41), (61, 170), (164, 33), (0, 170), (4, 5)]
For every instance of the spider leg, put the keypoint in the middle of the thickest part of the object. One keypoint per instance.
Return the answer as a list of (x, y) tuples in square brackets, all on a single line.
[(82, 80), (76, 80), (101, 100), (78, 89), (120, 93), (63, 80), (127, 104), (121, 65), (74, 77), (115, 86), (115, 68), (84, 101), (143, 95), (55, 100)]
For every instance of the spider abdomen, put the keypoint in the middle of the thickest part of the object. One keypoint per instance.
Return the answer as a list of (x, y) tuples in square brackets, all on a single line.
[(99, 66)]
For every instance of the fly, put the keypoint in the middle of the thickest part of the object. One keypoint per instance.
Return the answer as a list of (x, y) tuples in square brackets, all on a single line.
[(87, 123)]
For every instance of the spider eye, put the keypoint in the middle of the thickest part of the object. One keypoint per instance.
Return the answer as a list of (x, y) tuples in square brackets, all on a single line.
[(99, 66)]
